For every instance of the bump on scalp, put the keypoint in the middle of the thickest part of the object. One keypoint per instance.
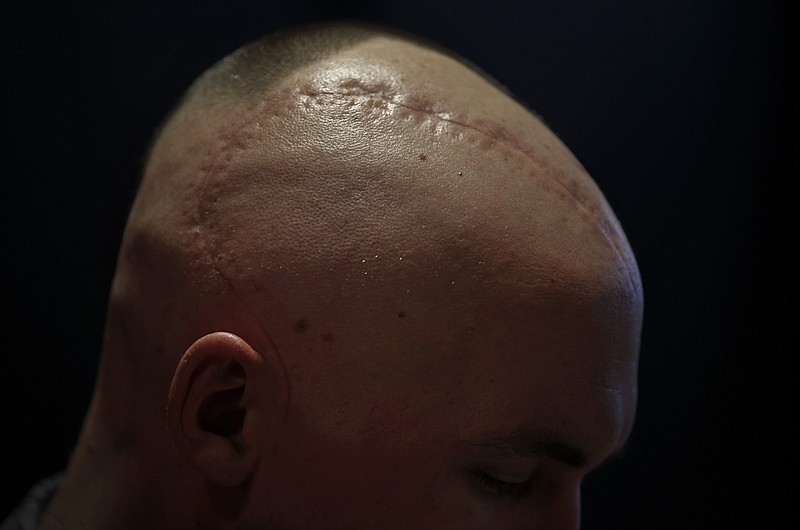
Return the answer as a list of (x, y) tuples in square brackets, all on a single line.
[(250, 71)]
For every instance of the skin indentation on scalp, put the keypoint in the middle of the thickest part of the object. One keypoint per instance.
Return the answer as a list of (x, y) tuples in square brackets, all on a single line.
[(567, 189), (368, 95), (207, 221), (232, 139), (383, 97)]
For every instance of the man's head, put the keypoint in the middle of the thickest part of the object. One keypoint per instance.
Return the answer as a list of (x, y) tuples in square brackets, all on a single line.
[(371, 290)]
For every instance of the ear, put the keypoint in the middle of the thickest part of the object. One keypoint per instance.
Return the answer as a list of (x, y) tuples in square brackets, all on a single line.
[(216, 405)]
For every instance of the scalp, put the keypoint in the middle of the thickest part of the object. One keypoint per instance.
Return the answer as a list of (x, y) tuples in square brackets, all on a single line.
[(403, 134), (367, 181)]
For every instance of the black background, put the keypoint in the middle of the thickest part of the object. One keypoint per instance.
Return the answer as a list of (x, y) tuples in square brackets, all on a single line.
[(678, 110)]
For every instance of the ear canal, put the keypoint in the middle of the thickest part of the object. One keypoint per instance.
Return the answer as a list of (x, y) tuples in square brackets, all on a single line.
[(222, 414)]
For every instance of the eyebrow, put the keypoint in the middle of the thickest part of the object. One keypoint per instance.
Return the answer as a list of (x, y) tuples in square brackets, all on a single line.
[(536, 443)]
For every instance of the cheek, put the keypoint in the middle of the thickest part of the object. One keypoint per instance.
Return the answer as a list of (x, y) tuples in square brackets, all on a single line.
[(321, 483), (326, 483)]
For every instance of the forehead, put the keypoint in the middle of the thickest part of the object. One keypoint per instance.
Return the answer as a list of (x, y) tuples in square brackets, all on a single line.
[(470, 367), (567, 366)]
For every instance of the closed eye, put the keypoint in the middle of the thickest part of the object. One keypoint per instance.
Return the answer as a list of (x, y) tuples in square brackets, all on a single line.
[(500, 489)]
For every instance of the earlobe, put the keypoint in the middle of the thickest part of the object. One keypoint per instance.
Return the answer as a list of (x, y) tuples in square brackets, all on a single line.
[(213, 401)]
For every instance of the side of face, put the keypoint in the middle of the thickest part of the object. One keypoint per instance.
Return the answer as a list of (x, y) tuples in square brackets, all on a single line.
[(456, 308), (498, 432)]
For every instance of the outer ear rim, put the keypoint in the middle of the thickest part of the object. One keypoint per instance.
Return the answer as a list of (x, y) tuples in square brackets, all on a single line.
[(231, 470)]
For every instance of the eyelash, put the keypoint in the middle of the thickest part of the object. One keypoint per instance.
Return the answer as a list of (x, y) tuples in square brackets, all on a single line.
[(501, 489)]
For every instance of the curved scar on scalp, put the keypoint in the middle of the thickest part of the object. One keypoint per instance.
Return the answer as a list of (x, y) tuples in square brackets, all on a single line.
[(587, 211), (206, 198), (236, 135)]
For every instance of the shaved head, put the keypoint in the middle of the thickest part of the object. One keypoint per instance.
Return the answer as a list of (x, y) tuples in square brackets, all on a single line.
[(425, 273)]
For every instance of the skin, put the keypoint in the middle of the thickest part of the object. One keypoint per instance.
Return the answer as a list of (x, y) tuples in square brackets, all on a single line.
[(358, 295)]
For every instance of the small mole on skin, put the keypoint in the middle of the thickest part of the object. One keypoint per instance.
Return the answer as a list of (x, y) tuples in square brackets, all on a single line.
[(460, 173), (401, 314), (301, 325)]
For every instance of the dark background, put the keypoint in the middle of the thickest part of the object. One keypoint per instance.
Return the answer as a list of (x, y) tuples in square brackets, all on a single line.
[(678, 109)]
